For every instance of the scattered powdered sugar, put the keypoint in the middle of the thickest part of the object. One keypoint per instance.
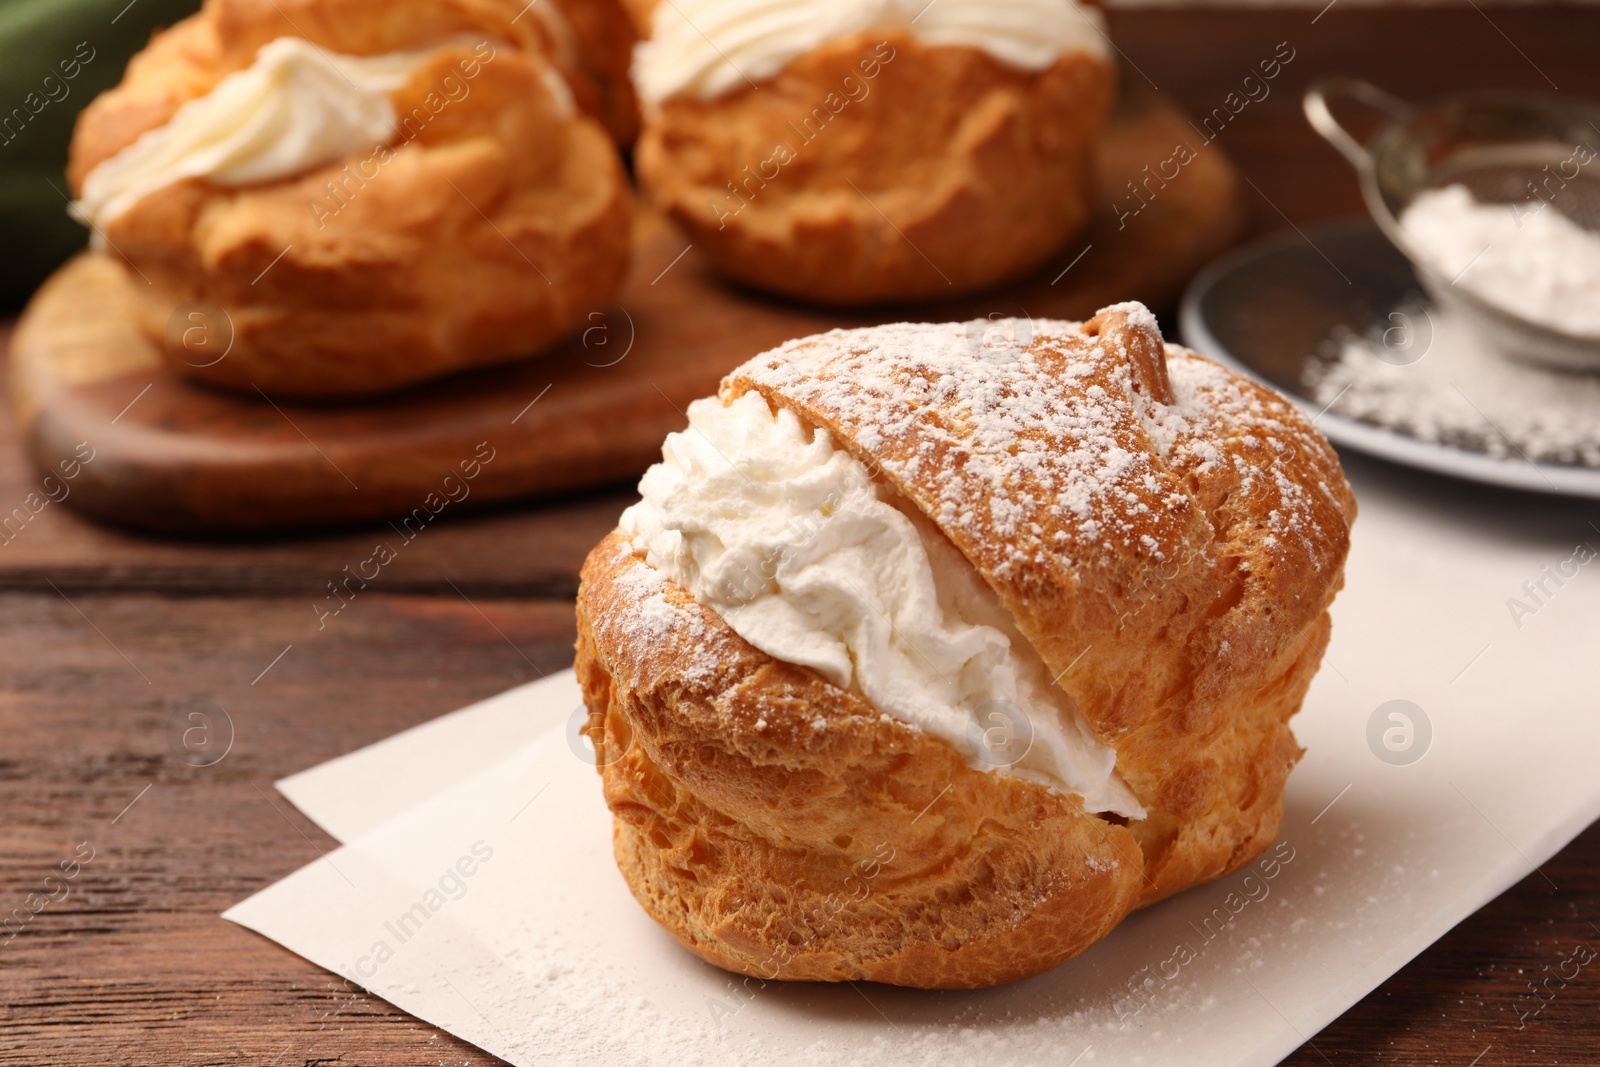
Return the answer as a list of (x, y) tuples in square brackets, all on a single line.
[(1139, 316), (655, 618), (656, 621), (1463, 394), (1528, 259), (1214, 404)]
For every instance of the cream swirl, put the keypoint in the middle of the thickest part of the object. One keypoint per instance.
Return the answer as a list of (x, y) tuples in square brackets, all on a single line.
[(295, 108), (706, 48), (791, 541)]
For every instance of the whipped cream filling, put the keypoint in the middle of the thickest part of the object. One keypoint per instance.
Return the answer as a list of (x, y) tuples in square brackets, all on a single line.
[(791, 541), (295, 108), (706, 48)]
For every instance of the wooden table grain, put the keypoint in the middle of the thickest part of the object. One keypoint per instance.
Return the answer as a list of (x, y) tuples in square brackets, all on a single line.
[(107, 639)]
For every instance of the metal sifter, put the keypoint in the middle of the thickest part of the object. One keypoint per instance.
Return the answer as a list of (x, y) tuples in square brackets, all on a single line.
[(1509, 148)]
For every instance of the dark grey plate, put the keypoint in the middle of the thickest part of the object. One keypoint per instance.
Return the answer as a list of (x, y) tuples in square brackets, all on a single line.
[(1267, 308)]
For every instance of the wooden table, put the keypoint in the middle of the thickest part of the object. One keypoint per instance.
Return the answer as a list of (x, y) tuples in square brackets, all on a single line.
[(107, 641)]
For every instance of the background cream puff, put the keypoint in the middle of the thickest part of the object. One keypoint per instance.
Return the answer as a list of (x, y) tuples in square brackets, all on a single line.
[(885, 150), (374, 195)]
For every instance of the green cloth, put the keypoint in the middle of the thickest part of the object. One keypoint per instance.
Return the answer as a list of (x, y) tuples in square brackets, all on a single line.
[(41, 43)]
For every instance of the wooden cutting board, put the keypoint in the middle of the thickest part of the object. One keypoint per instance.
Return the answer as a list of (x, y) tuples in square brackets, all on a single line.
[(173, 457)]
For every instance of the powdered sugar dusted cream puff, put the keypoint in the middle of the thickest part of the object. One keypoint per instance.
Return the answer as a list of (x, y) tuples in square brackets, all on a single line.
[(372, 196), (924, 661), (851, 153)]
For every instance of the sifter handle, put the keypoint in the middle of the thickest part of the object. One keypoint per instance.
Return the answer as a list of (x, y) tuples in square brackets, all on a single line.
[(1320, 114)]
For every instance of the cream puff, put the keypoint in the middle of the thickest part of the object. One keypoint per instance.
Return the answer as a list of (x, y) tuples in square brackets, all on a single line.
[(855, 153), (372, 196), (926, 658)]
